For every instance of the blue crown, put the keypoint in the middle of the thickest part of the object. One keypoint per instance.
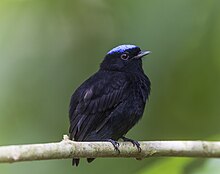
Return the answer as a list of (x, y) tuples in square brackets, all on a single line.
[(121, 48)]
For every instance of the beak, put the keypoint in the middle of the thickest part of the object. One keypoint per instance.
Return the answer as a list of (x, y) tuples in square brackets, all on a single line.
[(142, 54)]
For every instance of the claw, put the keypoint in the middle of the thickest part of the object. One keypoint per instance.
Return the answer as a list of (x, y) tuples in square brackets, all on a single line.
[(135, 143), (115, 144)]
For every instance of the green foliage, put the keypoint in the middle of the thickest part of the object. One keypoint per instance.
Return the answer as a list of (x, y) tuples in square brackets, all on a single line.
[(167, 166), (47, 48), (183, 166)]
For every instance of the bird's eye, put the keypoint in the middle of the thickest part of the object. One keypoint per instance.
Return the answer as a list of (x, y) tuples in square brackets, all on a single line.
[(125, 56)]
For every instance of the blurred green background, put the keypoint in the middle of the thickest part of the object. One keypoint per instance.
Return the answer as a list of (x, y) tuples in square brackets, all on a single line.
[(49, 47)]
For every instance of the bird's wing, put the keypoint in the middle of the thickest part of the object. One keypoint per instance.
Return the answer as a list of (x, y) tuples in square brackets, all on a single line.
[(92, 104)]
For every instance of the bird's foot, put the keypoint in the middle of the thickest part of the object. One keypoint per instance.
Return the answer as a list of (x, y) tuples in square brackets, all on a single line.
[(135, 143), (115, 144)]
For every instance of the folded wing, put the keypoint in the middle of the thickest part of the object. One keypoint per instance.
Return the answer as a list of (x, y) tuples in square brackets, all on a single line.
[(92, 104)]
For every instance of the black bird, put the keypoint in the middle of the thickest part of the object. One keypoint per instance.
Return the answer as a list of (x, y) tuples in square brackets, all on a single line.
[(108, 104)]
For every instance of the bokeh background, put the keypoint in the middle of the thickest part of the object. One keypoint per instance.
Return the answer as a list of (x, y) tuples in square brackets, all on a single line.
[(49, 47)]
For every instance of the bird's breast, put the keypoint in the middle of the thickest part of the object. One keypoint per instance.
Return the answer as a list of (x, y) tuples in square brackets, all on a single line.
[(141, 87)]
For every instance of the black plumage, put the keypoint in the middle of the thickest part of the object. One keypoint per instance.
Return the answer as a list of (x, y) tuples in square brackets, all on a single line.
[(107, 105)]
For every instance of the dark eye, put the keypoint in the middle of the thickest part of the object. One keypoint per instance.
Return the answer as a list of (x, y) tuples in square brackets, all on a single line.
[(125, 56)]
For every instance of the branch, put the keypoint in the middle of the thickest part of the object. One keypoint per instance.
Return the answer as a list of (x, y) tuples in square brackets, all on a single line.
[(70, 149)]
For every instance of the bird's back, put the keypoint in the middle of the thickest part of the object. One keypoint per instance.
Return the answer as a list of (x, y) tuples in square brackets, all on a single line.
[(93, 102)]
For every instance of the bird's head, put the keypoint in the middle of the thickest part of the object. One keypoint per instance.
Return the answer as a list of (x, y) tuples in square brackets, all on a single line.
[(124, 57)]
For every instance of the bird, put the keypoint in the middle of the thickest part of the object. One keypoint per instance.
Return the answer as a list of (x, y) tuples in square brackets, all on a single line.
[(110, 102)]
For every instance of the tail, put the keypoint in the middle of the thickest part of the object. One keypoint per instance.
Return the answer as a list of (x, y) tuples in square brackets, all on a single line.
[(89, 160), (75, 162)]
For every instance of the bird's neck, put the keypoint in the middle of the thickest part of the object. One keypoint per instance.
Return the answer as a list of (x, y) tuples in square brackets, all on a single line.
[(134, 67)]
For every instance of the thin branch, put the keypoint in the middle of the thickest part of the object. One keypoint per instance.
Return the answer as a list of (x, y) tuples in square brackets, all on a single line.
[(70, 149)]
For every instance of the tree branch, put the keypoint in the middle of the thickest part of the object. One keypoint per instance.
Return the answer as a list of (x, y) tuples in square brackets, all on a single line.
[(70, 149)]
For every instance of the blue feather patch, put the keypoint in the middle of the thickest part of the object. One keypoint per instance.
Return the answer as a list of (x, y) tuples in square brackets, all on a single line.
[(121, 48)]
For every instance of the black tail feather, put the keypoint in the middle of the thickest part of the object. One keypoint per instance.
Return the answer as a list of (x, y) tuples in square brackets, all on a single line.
[(89, 160), (75, 162)]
